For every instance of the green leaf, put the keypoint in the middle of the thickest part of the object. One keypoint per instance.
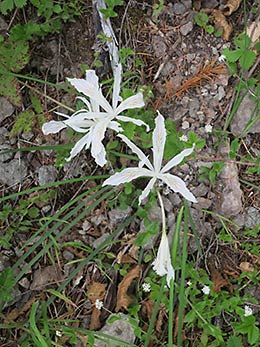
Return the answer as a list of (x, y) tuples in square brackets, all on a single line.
[(6, 5), (14, 55), (6, 284), (235, 144), (108, 13), (9, 88), (209, 29), (24, 123), (232, 56), (234, 341), (247, 59), (243, 41), (201, 19), (253, 335)]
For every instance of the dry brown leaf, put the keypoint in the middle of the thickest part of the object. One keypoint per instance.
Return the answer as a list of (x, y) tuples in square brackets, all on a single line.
[(246, 266), (253, 31), (123, 299), (96, 291), (231, 6), (159, 320), (45, 276), (221, 22), (218, 280)]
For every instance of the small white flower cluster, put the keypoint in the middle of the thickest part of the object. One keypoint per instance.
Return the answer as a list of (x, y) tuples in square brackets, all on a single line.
[(248, 311), (99, 304), (206, 290), (146, 287)]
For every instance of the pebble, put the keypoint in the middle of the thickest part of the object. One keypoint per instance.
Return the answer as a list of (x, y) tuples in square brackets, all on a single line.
[(117, 215), (6, 109), (47, 174), (6, 156), (119, 329), (68, 255), (179, 8), (13, 172), (186, 28), (100, 240), (185, 125)]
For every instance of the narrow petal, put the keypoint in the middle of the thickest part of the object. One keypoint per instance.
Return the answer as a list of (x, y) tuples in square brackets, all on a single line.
[(115, 126), (147, 190), (127, 175), (78, 125), (162, 265), (133, 120), (92, 78), (159, 138), (177, 159), (91, 91), (83, 142), (136, 150), (116, 88), (97, 149), (178, 186), (134, 101), (53, 127)]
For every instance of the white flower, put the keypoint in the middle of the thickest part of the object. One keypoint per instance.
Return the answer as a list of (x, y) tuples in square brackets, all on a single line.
[(184, 138), (146, 287), (208, 128), (248, 311), (222, 58), (206, 290), (58, 332), (162, 265), (154, 171), (91, 121), (99, 304), (189, 283)]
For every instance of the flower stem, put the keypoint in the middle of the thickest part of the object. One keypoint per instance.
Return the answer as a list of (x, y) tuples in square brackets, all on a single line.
[(162, 210)]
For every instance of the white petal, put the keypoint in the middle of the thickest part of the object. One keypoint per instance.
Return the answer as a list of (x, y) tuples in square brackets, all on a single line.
[(159, 138), (86, 102), (136, 150), (127, 175), (162, 264), (83, 142), (115, 126), (134, 101), (147, 190), (97, 149), (177, 185), (92, 78), (177, 159), (91, 91), (133, 120), (53, 127), (116, 88)]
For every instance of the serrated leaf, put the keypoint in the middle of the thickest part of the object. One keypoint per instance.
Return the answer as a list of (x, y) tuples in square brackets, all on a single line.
[(24, 123), (14, 55), (6, 5), (234, 341), (232, 56), (20, 3), (247, 59), (9, 88), (243, 41)]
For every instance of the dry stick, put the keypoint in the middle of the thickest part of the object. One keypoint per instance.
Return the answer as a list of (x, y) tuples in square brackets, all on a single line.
[(226, 160)]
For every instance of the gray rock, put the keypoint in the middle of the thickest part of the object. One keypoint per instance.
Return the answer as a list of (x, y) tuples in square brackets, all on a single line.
[(47, 174), (100, 240), (246, 111), (252, 217), (179, 8), (67, 255), (119, 329), (200, 190), (186, 28), (194, 107), (159, 46), (13, 172), (6, 109), (187, 3), (6, 156), (4, 134), (3, 24), (117, 215)]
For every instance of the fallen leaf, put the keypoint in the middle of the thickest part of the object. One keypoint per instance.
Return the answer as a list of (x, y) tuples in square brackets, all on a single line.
[(221, 22), (218, 280), (96, 291), (45, 276), (253, 31), (231, 6), (246, 266), (123, 299)]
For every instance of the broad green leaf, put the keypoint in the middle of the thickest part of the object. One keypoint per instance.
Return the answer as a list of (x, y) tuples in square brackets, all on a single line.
[(234, 341), (232, 56), (6, 284), (9, 88), (24, 123), (247, 59)]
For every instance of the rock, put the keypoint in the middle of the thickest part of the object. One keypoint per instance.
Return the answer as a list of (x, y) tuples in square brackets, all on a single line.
[(67, 255), (187, 3), (246, 111), (202, 203), (4, 134), (47, 174), (252, 217), (159, 46), (117, 216), (230, 197), (221, 93), (119, 329), (46, 275), (6, 109), (179, 8), (6, 156), (186, 28), (100, 240), (13, 172), (194, 106), (155, 213), (200, 190), (3, 24)]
